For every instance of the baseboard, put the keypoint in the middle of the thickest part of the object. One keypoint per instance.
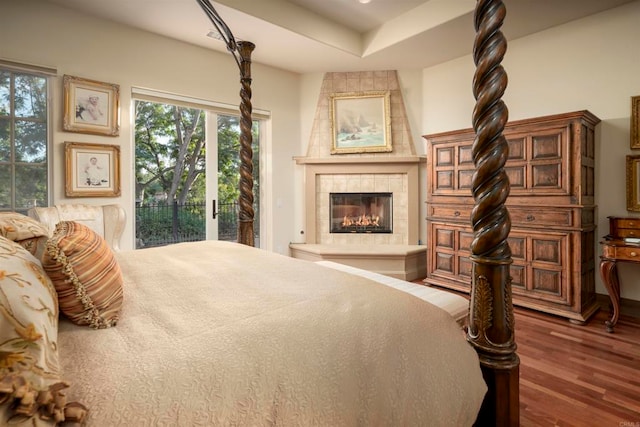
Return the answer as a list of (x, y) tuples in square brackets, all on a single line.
[(628, 307)]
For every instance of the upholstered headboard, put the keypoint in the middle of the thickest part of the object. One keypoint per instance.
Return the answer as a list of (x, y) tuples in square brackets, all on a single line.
[(106, 220)]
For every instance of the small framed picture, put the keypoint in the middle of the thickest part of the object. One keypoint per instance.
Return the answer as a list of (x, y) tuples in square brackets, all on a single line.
[(633, 183), (91, 107), (91, 170), (635, 122), (360, 122)]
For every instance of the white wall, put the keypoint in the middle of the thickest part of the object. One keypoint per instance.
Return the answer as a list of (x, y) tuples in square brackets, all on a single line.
[(37, 32), (593, 64), (590, 64)]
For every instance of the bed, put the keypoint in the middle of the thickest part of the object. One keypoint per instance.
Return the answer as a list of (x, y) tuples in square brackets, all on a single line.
[(240, 336)]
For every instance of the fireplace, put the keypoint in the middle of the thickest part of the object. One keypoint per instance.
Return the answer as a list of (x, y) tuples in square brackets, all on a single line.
[(361, 212)]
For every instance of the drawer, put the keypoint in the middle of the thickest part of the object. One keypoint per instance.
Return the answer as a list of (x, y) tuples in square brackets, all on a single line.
[(627, 223), (450, 212), (624, 227), (536, 218), (628, 232), (625, 253)]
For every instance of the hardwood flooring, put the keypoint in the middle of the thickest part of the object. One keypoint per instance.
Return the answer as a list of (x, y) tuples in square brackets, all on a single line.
[(577, 375), (573, 375)]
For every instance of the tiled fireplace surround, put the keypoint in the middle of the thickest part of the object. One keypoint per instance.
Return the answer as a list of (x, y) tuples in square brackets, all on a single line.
[(397, 176), (396, 172)]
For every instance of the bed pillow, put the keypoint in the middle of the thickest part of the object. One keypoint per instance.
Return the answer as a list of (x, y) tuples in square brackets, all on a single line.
[(30, 382), (26, 231), (85, 274)]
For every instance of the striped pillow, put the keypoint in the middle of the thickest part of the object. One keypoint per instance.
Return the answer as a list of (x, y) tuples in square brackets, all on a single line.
[(85, 274)]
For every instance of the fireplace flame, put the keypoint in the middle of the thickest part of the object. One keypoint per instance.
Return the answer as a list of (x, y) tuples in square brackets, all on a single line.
[(361, 220)]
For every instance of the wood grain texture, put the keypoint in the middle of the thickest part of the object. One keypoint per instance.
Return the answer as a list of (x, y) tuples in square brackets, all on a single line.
[(578, 375), (573, 375)]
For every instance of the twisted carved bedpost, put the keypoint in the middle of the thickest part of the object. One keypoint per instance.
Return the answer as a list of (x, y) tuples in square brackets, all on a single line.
[(491, 320), (241, 52), (246, 214)]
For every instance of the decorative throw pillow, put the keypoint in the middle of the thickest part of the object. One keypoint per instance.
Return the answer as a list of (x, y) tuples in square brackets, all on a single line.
[(27, 232), (85, 274), (30, 382)]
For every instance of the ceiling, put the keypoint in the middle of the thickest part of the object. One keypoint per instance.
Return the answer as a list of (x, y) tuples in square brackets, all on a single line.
[(339, 35)]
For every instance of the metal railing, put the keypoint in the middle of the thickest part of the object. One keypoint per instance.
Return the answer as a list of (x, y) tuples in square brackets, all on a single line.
[(164, 224)]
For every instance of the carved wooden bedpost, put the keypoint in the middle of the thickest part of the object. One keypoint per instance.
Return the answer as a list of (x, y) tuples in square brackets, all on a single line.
[(491, 320), (246, 214), (241, 51)]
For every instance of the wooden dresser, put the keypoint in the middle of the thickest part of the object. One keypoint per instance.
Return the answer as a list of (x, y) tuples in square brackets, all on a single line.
[(551, 205)]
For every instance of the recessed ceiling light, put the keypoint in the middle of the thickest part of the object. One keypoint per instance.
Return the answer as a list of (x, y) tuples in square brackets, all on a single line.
[(364, 1)]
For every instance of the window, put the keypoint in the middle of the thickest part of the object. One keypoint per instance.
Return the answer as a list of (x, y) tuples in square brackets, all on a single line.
[(221, 127), (24, 130)]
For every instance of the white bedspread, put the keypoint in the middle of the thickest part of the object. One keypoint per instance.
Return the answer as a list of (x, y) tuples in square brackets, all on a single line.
[(221, 334)]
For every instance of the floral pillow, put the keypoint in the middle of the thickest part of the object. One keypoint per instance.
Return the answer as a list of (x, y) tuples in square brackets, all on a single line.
[(26, 231), (85, 274), (30, 381)]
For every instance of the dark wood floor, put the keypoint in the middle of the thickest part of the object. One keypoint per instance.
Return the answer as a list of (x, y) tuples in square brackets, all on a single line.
[(574, 375), (578, 376)]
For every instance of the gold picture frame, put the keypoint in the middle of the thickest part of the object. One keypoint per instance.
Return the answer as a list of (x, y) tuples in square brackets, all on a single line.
[(91, 106), (91, 170), (635, 122), (360, 122), (633, 183)]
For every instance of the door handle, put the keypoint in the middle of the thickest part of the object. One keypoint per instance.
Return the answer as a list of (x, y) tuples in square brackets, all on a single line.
[(215, 213)]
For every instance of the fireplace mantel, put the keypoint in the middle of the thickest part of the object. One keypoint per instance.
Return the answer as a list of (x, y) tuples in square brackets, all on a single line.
[(396, 171), (300, 160), (406, 166)]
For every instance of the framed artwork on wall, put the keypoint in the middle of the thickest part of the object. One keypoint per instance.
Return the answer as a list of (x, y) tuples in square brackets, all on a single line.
[(633, 183), (360, 122), (635, 121), (91, 107), (91, 170)]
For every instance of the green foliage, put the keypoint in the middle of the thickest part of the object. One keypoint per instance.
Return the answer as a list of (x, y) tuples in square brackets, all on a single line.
[(170, 152), (23, 140), (155, 225), (170, 161)]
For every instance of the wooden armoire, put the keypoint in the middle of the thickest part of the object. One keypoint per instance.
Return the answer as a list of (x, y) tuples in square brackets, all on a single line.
[(551, 205)]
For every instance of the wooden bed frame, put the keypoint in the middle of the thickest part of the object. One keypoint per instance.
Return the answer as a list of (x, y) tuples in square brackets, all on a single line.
[(491, 321)]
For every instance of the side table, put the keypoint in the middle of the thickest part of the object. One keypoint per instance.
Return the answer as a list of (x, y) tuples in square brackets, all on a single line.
[(614, 251)]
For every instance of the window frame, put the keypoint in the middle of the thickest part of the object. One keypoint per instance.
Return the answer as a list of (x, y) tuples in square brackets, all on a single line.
[(49, 75)]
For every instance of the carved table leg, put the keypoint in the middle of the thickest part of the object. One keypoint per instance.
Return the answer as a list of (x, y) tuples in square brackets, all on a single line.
[(609, 274)]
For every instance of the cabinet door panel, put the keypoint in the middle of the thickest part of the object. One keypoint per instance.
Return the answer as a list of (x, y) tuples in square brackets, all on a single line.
[(550, 265), (444, 156), (518, 277), (464, 241), (465, 155), (549, 285), (518, 247), (547, 146), (547, 249), (517, 176), (465, 179), (444, 238), (465, 268), (516, 148), (444, 180), (547, 176), (444, 262)]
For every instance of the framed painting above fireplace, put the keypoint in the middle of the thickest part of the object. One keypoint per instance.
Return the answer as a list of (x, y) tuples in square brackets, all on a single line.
[(360, 122)]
